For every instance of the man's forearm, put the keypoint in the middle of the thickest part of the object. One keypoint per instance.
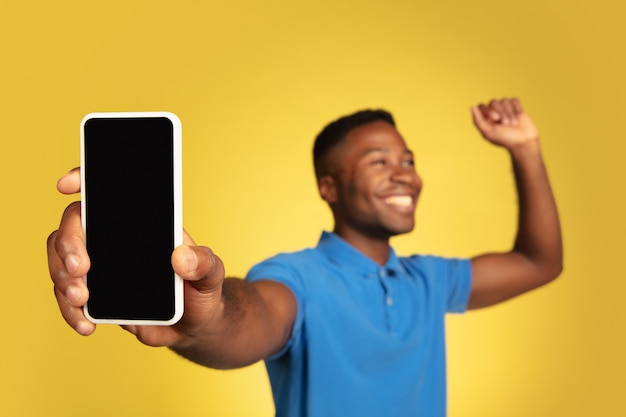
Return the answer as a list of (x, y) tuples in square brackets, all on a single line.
[(239, 335), (539, 233)]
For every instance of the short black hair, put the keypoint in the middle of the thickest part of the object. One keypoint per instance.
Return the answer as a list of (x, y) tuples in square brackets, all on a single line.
[(335, 132)]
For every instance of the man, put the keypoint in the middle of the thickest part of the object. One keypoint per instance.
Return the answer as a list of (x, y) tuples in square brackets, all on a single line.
[(346, 328)]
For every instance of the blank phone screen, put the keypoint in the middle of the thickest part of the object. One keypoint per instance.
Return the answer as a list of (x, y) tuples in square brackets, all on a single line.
[(129, 217)]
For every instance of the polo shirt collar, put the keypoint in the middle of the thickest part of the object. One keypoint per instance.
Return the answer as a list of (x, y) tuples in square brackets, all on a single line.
[(348, 257)]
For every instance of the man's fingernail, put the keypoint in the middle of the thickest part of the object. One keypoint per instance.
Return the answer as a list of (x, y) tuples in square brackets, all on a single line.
[(84, 327), (73, 294), (71, 263), (191, 260)]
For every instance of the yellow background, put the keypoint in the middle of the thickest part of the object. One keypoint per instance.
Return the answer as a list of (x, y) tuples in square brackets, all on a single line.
[(253, 83)]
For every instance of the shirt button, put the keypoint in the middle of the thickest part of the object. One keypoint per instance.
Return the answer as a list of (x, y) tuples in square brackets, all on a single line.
[(389, 301), (382, 273)]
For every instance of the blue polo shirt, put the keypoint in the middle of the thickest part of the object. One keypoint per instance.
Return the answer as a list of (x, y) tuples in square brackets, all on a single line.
[(368, 340)]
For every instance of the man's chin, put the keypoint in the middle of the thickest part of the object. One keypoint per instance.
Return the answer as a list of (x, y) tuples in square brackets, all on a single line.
[(401, 230)]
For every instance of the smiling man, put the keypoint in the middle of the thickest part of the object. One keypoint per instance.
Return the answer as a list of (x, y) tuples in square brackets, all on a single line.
[(347, 328), (366, 173)]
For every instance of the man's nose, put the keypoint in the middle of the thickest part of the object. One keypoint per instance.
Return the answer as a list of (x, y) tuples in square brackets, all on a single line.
[(404, 175)]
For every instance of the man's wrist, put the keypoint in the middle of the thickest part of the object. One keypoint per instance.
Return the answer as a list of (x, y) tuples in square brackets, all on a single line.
[(526, 149)]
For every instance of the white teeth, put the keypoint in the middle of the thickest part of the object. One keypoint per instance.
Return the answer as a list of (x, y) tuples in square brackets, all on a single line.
[(399, 200)]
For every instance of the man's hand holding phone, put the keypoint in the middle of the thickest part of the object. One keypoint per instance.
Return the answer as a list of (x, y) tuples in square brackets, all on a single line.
[(68, 261)]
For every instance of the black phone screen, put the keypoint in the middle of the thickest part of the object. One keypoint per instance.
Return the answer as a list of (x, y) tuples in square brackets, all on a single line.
[(129, 217)]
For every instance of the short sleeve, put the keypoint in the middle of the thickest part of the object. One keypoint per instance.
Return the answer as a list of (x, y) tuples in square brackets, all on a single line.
[(449, 278), (459, 284), (282, 269)]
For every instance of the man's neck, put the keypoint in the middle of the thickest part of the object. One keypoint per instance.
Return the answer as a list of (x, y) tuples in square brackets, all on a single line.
[(377, 249)]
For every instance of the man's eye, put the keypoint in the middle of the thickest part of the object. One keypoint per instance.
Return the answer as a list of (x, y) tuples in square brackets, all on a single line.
[(408, 163), (379, 162)]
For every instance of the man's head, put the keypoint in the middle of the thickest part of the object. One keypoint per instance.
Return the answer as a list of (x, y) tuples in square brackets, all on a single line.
[(366, 174), (336, 132)]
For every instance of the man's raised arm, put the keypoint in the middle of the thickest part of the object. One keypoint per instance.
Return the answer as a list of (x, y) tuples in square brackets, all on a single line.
[(537, 254)]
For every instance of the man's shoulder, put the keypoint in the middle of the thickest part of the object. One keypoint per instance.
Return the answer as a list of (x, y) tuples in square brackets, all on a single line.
[(286, 263), (432, 263), (295, 257)]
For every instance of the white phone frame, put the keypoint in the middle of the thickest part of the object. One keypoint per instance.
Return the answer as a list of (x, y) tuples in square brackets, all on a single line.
[(178, 208)]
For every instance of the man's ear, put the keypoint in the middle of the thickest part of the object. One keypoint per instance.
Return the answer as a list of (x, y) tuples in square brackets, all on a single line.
[(327, 189)]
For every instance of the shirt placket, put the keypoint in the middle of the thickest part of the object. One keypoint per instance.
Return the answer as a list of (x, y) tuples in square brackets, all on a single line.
[(385, 276)]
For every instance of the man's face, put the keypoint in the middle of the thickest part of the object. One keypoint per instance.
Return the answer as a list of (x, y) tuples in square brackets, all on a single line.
[(373, 186)]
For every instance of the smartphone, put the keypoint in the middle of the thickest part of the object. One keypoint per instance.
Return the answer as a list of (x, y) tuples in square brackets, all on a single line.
[(131, 180)]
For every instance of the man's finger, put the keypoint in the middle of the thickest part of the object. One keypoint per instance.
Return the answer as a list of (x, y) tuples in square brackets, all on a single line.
[(72, 287), (507, 107), (488, 113), (70, 292), (70, 182), (73, 315), (69, 242), (499, 107), (199, 265), (68, 263), (480, 120), (517, 106)]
